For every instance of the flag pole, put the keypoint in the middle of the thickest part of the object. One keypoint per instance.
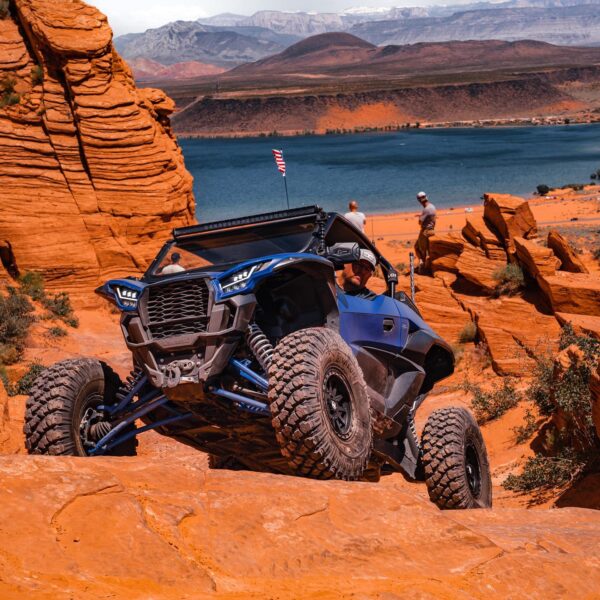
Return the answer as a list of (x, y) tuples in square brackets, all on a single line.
[(286, 191)]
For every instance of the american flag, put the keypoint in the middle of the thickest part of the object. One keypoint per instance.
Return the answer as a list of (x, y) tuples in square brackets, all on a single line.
[(278, 154)]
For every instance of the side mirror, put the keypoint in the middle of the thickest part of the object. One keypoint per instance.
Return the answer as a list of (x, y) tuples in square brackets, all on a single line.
[(343, 253)]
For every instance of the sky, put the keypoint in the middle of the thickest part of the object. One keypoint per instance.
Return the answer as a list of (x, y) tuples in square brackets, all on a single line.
[(132, 16)]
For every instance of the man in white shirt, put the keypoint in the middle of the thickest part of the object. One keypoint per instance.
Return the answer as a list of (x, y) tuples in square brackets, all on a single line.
[(173, 266), (357, 219), (427, 220)]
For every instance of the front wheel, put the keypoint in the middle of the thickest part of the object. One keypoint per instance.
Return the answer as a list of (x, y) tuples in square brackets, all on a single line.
[(455, 463), (319, 404), (63, 415)]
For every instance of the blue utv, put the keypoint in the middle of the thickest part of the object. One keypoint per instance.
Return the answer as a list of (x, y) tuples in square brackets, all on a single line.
[(245, 347)]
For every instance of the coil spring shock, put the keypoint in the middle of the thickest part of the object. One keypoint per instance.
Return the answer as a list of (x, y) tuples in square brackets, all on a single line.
[(260, 346), (132, 380)]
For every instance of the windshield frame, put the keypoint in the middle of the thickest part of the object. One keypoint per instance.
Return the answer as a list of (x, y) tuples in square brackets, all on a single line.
[(179, 242)]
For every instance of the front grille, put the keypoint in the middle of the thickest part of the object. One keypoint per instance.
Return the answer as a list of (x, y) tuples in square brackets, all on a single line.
[(179, 308)]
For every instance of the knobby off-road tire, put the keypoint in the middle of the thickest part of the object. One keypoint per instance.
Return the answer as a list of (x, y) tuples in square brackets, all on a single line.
[(455, 462), (58, 401), (319, 404)]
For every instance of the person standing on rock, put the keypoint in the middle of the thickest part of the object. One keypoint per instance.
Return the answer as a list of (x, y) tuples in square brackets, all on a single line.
[(357, 219), (427, 220)]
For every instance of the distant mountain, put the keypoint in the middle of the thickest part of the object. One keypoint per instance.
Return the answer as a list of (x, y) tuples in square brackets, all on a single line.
[(228, 40), (344, 56), (191, 41), (145, 69), (565, 25)]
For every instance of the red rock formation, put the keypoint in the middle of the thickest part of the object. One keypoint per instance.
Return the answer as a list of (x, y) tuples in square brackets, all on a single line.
[(168, 529), (477, 232), (91, 178), (444, 251), (477, 268), (569, 259), (572, 292), (509, 216), (534, 259)]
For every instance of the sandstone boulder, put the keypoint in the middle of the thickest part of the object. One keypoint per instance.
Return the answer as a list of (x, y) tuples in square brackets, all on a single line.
[(477, 268), (535, 259), (568, 257), (444, 251), (92, 180), (582, 324), (477, 232), (439, 308), (576, 293), (509, 216)]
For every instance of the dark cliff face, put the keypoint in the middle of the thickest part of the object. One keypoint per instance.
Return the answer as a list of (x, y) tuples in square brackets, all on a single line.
[(519, 97)]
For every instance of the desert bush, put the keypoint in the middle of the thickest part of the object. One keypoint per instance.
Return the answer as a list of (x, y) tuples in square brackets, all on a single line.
[(37, 75), (525, 431), (510, 280), (57, 332), (575, 186), (546, 472), (32, 284), (492, 404), (543, 189), (16, 316), (400, 267), (468, 333), (23, 385)]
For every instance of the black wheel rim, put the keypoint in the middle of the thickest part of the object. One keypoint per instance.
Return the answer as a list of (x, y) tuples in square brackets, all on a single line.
[(338, 400), (93, 425), (473, 469)]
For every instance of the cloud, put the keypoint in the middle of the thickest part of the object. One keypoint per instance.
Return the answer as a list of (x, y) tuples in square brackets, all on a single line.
[(131, 16)]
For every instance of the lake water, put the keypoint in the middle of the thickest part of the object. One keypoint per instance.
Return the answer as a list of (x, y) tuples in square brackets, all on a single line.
[(384, 171)]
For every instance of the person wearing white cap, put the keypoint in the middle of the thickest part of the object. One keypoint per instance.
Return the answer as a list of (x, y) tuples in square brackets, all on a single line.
[(356, 275), (427, 220)]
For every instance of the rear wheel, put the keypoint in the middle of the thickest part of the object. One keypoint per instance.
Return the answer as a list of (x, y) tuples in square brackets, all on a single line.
[(63, 415), (319, 403), (455, 462)]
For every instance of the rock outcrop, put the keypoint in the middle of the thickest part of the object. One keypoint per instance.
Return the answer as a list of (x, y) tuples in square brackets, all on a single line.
[(92, 179), (166, 528), (534, 259), (444, 251), (572, 292), (569, 259), (509, 216)]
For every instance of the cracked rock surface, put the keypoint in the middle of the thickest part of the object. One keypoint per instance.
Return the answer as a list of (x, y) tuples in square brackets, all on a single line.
[(168, 528)]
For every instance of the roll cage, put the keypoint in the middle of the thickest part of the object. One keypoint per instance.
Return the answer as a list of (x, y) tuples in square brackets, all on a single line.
[(329, 228)]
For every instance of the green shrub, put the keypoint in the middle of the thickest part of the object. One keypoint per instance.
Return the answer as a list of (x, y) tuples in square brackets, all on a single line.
[(543, 189), (32, 284), (525, 431), (575, 186), (489, 405), (9, 99), (547, 472), (4, 9), (510, 280), (23, 386), (16, 316), (8, 84), (37, 75), (400, 267), (468, 333), (57, 332), (60, 306)]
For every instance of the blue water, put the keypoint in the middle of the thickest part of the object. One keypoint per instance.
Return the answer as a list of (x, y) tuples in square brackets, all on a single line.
[(384, 171)]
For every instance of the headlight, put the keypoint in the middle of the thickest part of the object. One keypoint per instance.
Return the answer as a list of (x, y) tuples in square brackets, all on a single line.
[(238, 281), (126, 296)]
